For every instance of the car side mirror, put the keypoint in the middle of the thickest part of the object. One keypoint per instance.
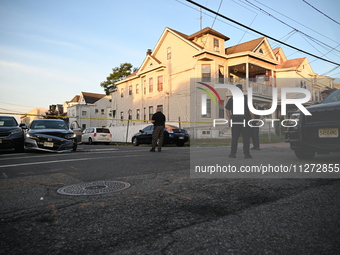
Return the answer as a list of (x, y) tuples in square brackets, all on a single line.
[(141, 131), (23, 126)]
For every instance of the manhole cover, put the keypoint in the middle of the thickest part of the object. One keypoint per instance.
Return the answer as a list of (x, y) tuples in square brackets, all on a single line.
[(93, 188)]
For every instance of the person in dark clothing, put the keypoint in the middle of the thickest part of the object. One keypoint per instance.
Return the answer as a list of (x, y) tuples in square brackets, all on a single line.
[(239, 128), (158, 120), (255, 131)]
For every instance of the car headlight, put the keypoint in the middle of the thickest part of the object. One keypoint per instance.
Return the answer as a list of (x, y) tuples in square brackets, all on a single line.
[(28, 135), (70, 136), (15, 131)]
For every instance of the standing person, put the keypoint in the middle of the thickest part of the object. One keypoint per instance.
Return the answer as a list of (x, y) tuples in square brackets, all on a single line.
[(158, 120), (255, 131), (241, 127)]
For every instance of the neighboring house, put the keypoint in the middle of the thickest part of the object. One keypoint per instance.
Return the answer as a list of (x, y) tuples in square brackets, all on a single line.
[(37, 113), (89, 110), (299, 73), (169, 74)]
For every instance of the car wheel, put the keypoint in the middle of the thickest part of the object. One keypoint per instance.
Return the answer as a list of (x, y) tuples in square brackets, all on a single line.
[(135, 141), (90, 141), (304, 155)]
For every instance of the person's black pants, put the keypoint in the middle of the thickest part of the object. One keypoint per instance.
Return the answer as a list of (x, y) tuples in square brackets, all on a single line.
[(255, 137), (157, 135), (236, 131)]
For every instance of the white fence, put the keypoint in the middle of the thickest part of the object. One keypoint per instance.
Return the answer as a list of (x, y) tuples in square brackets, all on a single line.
[(119, 134)]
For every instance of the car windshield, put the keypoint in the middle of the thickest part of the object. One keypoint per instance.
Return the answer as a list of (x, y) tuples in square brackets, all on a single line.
[(48, 125), (334, 97), (7, 122)]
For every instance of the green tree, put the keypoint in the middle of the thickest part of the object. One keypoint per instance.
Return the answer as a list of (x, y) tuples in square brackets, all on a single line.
[(118, 74)]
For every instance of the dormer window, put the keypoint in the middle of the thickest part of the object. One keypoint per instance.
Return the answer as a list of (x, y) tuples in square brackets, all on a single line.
[(216, 45)]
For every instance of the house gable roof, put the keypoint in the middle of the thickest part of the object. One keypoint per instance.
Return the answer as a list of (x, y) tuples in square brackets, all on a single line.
[(149, 63), (208, 30), (291, 63), (75, 99), (258, 48), (244, 47), (91, 98)]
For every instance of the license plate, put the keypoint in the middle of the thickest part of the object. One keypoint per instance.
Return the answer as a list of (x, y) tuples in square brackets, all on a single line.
[(181, 137), (328, 133), (48, 144)]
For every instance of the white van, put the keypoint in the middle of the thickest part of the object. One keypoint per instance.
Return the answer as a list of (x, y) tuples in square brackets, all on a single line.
[(96, 135)]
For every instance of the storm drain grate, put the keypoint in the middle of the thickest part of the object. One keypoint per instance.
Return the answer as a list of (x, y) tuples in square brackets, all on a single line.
[(93, 188)]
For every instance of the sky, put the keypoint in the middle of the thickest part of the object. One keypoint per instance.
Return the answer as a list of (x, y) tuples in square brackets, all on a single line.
[(51, 51)]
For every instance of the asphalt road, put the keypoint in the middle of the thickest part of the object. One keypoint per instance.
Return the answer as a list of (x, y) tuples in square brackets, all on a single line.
[(165, 210)]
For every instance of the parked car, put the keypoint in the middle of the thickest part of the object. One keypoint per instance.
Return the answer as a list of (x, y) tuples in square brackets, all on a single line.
[(11, 134), (319, 132), (96, 135), (172, 135), (50, 135)]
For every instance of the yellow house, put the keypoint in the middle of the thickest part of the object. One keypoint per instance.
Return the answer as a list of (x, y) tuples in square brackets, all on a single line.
[(36, 113), (168, 77)]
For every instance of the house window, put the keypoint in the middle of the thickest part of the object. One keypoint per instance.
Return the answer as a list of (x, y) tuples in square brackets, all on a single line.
[(216, 45), (221, 110), (168, 53), (83, 113), (102, 111), (144, 87), (96, 111), (206, 73), (144, 117), (150, 112), (122, 92), (130, 90), (113, 114), (261, 51), (137, 114), (160, 83), (208, 109), (150, 85), (121, 115), (137, 89)]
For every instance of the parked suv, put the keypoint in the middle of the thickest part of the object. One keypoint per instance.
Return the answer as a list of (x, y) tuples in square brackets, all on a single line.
[(319, 132), (11, 134), (96, 135)]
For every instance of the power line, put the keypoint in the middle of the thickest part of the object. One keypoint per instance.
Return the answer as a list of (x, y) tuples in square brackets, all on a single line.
[(296, 21), (321, 12), (219, 7), (258, 32), (272, 16)]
